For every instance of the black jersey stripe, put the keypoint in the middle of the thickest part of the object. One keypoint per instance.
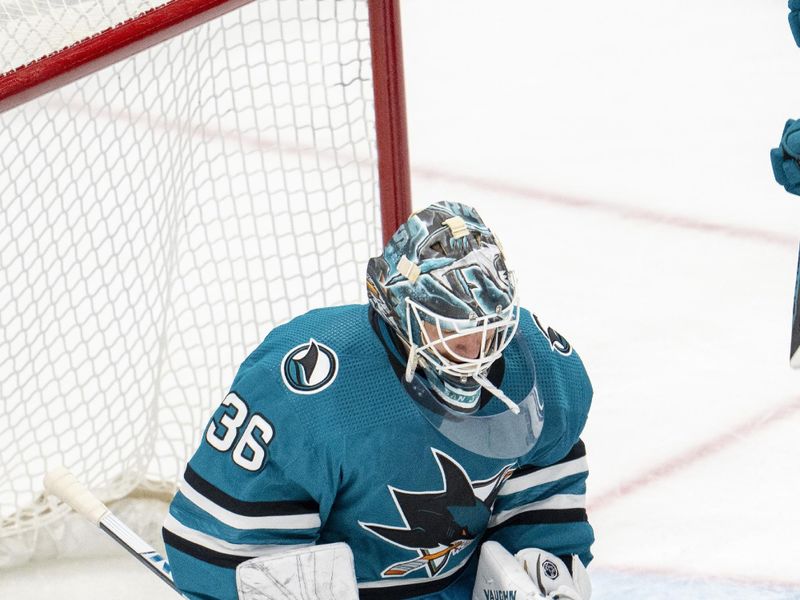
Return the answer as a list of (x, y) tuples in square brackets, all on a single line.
[(578, 451), (411, 590), (220, 559), (245, 508), (543, 517)]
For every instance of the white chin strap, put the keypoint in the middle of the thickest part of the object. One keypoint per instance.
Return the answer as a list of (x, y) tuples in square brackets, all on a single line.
[(497, 393)]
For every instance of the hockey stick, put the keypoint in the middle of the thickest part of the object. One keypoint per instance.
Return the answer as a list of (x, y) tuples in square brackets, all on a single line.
[(794, 345), (63, 484)]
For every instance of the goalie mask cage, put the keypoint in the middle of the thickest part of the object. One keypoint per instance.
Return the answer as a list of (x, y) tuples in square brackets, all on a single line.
[(176, 178)]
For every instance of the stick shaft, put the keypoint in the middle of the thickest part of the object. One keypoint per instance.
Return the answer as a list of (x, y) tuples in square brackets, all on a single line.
[(794, 347), (137, 547), (61, 483)]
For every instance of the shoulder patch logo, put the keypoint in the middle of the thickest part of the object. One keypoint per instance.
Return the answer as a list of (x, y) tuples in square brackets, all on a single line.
[(309, 368), (556, 340)]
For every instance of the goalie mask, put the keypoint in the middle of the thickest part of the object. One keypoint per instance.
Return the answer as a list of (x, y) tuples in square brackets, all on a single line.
[(443, 286)]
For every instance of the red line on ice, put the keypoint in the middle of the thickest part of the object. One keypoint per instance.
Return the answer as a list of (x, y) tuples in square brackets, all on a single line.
[(531, 193), (695, 454), (610, 208)]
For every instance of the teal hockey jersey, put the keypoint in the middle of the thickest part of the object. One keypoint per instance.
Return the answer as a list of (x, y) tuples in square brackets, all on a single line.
[(318, 441)]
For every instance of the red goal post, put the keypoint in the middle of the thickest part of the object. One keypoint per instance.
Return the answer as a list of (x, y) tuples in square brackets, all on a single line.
[(173, 183)]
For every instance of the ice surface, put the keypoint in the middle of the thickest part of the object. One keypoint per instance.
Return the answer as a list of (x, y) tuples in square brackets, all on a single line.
[(620, 150)]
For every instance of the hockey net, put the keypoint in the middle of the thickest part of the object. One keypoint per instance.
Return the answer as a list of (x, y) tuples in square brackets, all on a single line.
[(158, 217)]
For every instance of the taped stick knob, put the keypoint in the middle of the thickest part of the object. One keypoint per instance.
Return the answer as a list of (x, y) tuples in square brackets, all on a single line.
[(60, 482)]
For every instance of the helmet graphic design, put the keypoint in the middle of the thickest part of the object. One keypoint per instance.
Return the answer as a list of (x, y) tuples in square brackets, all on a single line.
[(443, 286)]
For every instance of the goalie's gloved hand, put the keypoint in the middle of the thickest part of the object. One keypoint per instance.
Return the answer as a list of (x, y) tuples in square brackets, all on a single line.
[(531, 574), (794, 19), (785, 158), (556, 580)]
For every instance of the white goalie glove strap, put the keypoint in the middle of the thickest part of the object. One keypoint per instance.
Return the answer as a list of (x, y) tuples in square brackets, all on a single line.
[(323, 572), (532, 574)]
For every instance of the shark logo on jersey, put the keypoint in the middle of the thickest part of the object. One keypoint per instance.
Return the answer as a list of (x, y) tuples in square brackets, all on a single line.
[(440, 523), (309, 368)]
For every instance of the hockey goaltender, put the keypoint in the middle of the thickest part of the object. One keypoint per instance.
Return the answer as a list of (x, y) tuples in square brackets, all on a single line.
[(423, 445)]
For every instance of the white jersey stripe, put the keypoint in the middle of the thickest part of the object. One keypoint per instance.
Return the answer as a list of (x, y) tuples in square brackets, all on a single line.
[(302, 521), (205, 540), (547, 475), (557, 502)]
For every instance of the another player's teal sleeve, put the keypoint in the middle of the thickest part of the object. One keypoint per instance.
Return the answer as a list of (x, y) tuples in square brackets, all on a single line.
[(544, 507), (254, 483)]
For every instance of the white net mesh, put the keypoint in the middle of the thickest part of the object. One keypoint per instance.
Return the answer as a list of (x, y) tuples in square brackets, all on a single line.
[(157, 219)]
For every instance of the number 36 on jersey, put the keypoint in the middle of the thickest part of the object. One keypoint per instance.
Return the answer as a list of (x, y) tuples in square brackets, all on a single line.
[(248, 434)]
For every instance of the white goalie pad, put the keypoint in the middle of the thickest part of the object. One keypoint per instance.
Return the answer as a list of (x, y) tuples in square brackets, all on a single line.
[(531, 574), (324, 572)]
